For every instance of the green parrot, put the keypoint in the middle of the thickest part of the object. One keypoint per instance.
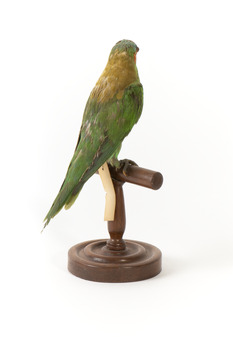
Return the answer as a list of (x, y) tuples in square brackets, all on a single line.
[(113, 107)]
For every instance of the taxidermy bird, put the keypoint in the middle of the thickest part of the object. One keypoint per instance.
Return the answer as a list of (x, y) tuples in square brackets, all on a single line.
[(114, 106)]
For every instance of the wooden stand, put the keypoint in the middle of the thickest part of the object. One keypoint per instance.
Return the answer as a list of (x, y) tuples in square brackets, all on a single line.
[(118, 260)]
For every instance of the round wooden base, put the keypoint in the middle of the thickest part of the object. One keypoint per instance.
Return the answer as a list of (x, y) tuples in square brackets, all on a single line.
[(94, 261)]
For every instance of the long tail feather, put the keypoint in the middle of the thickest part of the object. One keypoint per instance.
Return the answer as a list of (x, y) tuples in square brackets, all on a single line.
[(64, 197)]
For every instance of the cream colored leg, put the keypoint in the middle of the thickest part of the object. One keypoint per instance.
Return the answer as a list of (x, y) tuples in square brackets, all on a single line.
[(110, 199)]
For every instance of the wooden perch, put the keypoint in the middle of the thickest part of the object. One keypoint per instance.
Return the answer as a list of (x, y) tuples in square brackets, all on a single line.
[(134, 174), (138, 176), (116, 259)]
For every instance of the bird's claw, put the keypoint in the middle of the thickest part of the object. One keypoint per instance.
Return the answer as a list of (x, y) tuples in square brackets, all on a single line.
[(124, 165)]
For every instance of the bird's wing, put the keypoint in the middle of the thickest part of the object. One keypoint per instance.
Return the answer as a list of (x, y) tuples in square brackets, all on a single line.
[(104, 127)]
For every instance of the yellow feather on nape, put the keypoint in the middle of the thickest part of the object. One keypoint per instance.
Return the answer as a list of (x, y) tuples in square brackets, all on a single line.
[(119, 73)]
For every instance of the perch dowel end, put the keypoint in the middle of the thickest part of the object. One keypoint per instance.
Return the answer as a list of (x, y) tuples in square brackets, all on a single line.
[(138, 176)]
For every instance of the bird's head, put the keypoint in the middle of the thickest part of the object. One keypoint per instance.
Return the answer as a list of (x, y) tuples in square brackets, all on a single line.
[(125, 47)]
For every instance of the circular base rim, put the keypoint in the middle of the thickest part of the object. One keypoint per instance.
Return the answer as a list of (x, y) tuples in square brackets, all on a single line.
[(92, 261)]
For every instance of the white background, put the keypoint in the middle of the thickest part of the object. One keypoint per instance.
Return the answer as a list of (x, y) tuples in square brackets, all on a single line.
[(52, 53)]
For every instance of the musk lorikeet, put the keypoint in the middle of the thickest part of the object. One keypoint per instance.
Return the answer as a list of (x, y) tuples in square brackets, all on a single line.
[(114, 106)]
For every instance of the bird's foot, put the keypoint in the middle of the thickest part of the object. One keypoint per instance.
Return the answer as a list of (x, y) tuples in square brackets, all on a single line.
[(124, 164), (115, 163)]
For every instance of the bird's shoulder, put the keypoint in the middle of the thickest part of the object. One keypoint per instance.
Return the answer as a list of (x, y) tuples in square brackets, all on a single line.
[(131, 95)]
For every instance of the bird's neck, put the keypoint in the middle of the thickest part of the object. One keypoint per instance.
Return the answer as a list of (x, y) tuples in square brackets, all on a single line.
[(120, 72)]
